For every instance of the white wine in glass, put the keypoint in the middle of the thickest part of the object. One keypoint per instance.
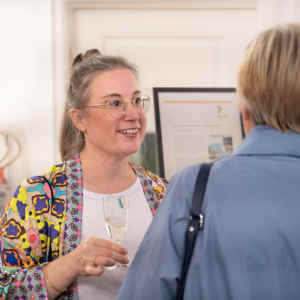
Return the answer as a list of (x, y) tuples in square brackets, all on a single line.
[(115, 211), (115, 228)]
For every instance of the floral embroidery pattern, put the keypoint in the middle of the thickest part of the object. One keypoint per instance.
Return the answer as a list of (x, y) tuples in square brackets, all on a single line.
[(154, 187), (11, 258), (26, 230), (72, 234), (12, 229), (33, 237)]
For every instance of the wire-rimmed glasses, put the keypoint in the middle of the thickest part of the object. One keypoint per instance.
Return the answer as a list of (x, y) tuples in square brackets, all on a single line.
[(141, 103)]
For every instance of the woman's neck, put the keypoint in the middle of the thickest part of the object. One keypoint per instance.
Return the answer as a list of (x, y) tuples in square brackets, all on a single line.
[(106, 175)]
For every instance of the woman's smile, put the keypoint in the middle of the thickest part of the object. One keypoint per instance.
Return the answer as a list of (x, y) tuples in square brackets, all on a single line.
[(129, 131)]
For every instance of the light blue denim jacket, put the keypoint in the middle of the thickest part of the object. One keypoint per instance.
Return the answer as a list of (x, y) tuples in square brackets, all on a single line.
[(250, 245)]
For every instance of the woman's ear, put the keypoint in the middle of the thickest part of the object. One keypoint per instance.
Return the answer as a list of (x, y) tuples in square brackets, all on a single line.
[(77, 119), (247, 120)]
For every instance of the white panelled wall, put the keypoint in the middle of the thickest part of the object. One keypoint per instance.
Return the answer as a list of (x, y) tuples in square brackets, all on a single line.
[(38, 38), (26, 89)]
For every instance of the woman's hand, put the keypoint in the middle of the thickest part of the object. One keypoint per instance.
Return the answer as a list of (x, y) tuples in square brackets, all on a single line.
[(93, 255), (89, 259)]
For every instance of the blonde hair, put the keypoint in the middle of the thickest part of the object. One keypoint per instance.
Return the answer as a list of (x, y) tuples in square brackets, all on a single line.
[(269, 78), (84, 68)]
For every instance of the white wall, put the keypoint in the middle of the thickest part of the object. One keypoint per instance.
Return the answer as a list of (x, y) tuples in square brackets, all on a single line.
[(26, 106)]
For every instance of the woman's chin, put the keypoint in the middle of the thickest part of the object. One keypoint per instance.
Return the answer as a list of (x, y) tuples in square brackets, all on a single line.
[(129, 151)]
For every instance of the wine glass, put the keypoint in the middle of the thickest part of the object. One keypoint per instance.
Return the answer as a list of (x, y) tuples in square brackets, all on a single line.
[(115, 211)]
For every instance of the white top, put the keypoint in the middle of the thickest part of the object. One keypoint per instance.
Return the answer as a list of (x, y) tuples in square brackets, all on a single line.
[(106, 287)]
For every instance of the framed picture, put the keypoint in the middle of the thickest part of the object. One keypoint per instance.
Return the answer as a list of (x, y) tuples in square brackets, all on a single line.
[(195, 125)]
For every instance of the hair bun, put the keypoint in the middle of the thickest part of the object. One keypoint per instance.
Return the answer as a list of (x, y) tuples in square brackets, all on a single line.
[(89, 53)]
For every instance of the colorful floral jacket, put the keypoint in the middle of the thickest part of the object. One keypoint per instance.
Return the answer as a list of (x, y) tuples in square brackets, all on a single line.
[(42, 221)]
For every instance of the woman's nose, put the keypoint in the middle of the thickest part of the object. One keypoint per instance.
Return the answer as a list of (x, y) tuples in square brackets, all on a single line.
[(131, 110)]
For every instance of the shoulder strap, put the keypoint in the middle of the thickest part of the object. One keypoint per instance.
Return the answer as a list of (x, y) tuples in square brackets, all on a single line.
[(200, 188), (196, 223)]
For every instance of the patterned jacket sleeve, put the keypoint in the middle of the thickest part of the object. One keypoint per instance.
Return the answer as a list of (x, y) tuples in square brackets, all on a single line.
[(29, 238)]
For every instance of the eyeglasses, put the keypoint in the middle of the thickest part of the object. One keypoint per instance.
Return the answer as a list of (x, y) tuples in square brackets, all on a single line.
[(141, 103)]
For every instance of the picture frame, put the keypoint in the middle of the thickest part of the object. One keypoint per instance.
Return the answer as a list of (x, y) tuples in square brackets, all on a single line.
[(195, 125)]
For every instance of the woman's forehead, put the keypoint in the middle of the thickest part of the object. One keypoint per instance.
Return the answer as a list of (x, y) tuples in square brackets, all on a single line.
[(116, 82)]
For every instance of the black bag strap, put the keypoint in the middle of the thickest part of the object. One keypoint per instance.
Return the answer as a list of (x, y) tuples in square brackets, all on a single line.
[(196, 223)]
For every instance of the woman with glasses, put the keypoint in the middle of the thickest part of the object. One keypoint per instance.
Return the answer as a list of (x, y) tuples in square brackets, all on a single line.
[(53, 241)]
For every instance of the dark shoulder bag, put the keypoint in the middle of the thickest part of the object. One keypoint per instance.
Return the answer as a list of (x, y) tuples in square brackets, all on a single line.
[(196, 223)]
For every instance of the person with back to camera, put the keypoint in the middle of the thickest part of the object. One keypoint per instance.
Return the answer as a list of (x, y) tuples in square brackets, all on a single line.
[(53, 240), (249, 246)]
